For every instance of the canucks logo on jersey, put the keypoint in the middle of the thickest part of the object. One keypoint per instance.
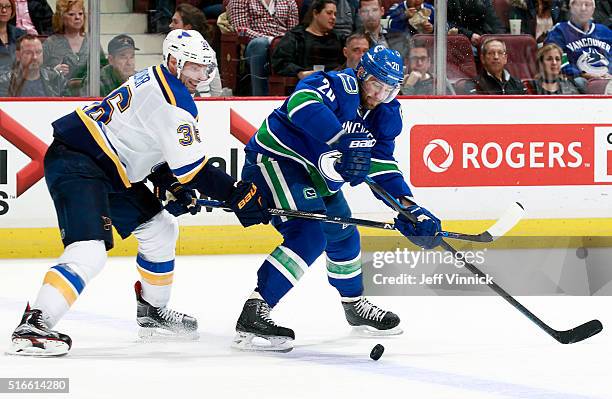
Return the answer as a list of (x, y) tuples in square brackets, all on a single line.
[(593, 61)]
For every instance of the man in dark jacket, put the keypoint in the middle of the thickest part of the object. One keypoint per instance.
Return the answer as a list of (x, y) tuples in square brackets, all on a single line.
[(495, 79), (28, 78)]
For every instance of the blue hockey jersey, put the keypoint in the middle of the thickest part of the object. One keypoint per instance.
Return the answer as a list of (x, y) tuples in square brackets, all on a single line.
[(323, 106), (587, 52)]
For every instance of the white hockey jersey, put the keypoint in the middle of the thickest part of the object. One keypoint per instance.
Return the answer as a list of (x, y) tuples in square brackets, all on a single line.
[(150, 119)]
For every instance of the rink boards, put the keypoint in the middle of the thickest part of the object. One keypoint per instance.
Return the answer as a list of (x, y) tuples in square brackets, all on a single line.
[(466, 158)]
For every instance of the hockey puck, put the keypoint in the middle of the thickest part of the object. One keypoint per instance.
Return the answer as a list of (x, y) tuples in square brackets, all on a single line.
[(377, 352)]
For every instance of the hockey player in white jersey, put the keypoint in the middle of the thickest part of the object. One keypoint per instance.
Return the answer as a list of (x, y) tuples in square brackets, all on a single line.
[(95, 168)]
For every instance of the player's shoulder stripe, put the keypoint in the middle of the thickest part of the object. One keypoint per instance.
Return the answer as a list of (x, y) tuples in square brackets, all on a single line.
[(174, 91), (186, 173), (301, 99), (163, 84)]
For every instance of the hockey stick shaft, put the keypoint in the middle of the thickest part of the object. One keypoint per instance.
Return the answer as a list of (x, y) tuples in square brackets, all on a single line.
[(342, 220), (310, 215), (576, 334)]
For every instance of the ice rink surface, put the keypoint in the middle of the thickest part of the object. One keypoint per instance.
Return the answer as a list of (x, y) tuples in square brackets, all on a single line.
[(452, 347)]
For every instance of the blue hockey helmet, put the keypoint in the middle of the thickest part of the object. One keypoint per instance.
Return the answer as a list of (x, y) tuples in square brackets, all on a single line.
[(385, 65)]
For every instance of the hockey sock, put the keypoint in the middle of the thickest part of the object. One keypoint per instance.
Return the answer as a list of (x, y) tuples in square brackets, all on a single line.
[(156, 251), (156, 279), (283, 268), (344, 265), (64, 282)]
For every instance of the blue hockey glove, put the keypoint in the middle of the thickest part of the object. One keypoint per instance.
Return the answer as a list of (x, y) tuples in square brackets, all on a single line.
[(248, 204), (424, 232), (356, 150), (184, 199)]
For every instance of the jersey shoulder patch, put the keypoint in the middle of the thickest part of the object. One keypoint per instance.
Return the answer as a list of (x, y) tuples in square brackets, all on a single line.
[(174, 91), (346, 89)]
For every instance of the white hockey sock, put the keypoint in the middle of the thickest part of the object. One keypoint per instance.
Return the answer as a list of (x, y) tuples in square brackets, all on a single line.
[(156, 295), (52, 304)]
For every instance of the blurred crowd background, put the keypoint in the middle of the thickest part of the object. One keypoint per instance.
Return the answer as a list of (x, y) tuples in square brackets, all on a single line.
[(264, 47)]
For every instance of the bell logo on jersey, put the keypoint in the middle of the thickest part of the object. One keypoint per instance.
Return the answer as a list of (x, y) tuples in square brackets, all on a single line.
[(510, 155), (444, 147)]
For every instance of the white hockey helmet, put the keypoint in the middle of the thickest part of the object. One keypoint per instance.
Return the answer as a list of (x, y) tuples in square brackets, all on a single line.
[(189, 45)]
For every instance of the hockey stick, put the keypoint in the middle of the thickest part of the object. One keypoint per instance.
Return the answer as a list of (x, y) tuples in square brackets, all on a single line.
[(308, 215), (571, 336), (510, 218)]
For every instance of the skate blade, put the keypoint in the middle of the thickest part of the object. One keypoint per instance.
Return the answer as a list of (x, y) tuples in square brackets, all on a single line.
[(261, 343), (42, 348), (151, 334), (368, 331)]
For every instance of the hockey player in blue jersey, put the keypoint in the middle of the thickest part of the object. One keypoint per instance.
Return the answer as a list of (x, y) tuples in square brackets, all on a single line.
[(586, 45), (335, 128), (95, 168)]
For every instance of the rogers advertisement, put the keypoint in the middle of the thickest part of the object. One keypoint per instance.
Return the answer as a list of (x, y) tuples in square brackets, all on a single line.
[(473, 155)]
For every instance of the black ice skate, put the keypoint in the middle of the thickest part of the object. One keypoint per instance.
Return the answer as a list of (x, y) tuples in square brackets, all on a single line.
[(369, 318), (255, 325), (32, 337), (162, 322)]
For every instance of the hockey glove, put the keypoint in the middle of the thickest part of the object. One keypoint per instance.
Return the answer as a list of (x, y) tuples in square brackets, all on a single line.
[(184, 200), (424, 232), (248, 204), (356, 150)]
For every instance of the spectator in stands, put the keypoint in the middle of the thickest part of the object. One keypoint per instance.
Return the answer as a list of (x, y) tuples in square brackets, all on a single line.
[(261, 21), (212, 8), (419, 81), (549, 79), (370, 13), (586, 45), (67, 50), (34, 16), (8, 33), (188, 17), (473, 18), (494, 78), (121, 63), (356, 45), (346, 16), (413, 16), (603, 13), (609, 88), (405, 19), (311, 43), (27, 77), (538, 16)]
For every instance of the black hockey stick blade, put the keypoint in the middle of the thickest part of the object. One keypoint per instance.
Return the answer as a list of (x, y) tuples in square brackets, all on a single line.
[(579, 333)]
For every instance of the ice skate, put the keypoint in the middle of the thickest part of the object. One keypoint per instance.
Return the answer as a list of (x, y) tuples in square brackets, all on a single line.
[(163, 323), (256, 331), (369, 319), (32, 337)]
